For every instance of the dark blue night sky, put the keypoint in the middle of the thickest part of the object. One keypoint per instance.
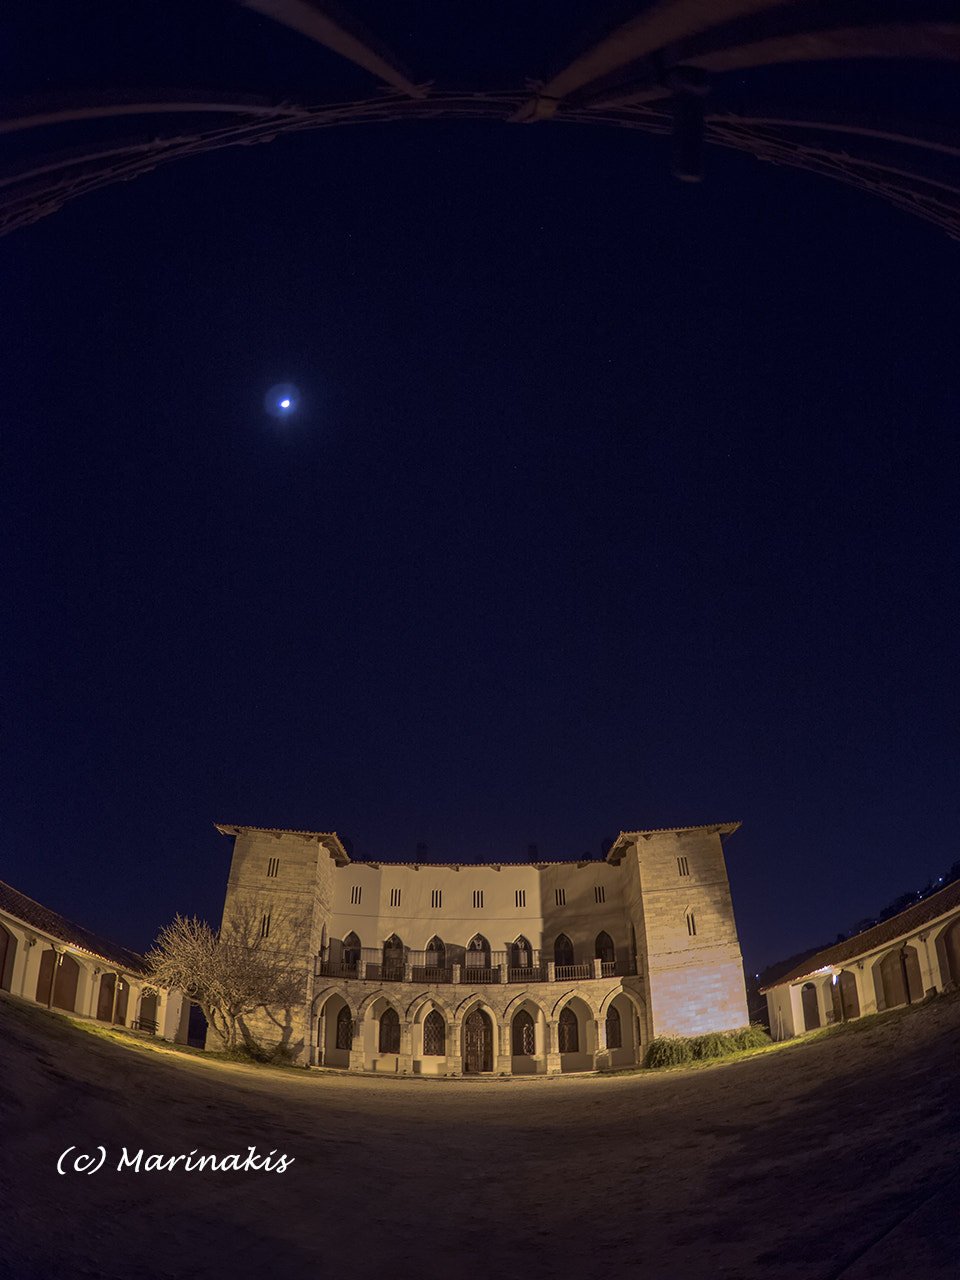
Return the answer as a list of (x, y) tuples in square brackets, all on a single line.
[(610, 502)]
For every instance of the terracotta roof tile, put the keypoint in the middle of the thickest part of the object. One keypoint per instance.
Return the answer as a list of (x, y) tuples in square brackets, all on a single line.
[(57, 926), (914, 917)]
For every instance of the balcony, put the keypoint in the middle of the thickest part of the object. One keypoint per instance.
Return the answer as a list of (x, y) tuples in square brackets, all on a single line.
[(456, 965)]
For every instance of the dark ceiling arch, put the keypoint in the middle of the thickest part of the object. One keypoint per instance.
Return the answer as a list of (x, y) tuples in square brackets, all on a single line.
[(652, 73)]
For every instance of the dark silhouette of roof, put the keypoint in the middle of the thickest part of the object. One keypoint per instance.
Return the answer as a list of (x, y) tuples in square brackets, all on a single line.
[(57, 926), (914, 917)]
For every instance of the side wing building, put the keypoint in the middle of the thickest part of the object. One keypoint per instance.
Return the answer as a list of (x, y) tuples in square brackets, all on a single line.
[(532, 968)]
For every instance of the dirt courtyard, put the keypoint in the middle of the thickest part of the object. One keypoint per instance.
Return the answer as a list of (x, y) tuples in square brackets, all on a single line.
[(830, 1158)]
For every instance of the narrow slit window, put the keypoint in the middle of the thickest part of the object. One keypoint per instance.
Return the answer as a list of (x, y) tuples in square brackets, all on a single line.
[(683, 867), (561, 897), (355, 895), (436, 898), (598, 892), (394, 897), (478, 897), (273, 867), (691, 924), (521, 897), (265, 926)]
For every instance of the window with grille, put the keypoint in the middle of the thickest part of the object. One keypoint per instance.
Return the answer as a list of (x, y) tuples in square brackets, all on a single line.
[(521, 897), (478, 897), (598, 892), (691, 924), (614, 1037), (436, 898), (394, 897), (355, 895), (273, 867), (524, 1039), (683, 867), (561, 897), (344, 1029), (265, 926), (569, 1031), (390, 1032), (434, 1035)]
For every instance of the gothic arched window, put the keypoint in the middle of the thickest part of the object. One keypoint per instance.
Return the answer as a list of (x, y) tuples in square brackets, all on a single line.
[(344, 1029), (614, 1035), (478, 953), (521, 953), (604, 949), (390, 1032), (524, 1040), (569, 1031), (351, 949), (393, 958), (434, 1035), (563, 950), (435, 957)]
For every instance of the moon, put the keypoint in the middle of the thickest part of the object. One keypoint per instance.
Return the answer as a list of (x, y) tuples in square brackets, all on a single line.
[(282, 400)]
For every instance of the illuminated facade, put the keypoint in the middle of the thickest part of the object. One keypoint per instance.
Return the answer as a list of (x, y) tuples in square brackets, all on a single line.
[(513, 969), (900, 961)]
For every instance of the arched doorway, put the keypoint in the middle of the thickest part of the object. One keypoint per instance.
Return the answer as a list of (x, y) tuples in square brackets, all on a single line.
[(948, 951), (477, 1043), (8, 948), (106, 1011), (846, 1001), (147, 1017), (811, 1007), (897, 978), (57, 982)]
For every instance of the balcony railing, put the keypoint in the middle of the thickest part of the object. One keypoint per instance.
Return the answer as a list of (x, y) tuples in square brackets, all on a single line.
[(456, 964)]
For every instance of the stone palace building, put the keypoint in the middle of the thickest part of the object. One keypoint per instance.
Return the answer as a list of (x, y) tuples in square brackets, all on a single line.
[(532, 968)]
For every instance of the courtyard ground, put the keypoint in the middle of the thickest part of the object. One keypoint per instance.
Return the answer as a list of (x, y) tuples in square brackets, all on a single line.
[(828, 1158)]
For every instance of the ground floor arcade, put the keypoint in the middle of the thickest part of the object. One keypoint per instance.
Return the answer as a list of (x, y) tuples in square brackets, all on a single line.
[(536, 1030)]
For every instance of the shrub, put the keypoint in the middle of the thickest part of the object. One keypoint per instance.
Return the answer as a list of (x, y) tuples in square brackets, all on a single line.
[(752, 1037), (668, 1051), (714, 1044)]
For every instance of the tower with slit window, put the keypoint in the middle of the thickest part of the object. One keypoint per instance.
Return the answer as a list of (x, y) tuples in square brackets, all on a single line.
[(518, 969)]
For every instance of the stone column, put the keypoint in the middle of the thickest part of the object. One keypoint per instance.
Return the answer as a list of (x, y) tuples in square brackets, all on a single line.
[(503, 1063), (356, 1049), (601, 1054), (551, 1045), (315, 1052), (551, 971), (597, 968), (504, 975), (825, 1002), (454, 973), (405, 1057)]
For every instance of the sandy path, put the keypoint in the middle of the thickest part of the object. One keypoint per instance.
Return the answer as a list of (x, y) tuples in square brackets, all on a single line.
[(791, 1164)]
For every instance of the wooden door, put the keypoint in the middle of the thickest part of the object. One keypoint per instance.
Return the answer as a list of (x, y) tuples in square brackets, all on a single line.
[(477, 1043)]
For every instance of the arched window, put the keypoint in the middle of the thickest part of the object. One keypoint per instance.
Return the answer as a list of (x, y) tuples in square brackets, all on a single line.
[(521, 953), (436, 954), (569, 1031), (524, 1040), (351, 949), (614, 1037), (478, 953), (390, 1031), (434, 1035), (393, 959), (563, 950), (604, 949), (345, 1029)]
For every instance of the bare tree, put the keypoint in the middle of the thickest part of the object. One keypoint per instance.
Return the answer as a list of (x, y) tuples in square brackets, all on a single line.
[(231, 974)]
